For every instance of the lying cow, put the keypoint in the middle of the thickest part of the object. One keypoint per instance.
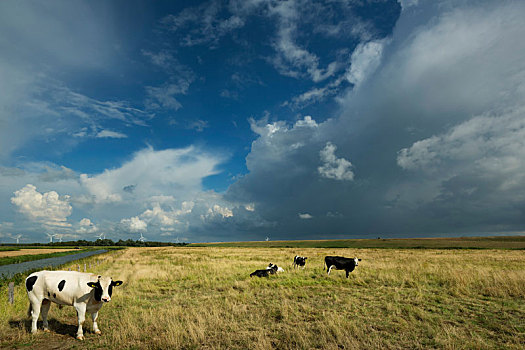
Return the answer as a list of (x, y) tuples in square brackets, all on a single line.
[(273, 266), (341, 263), (299, 261), (83, 291), (265, 273)]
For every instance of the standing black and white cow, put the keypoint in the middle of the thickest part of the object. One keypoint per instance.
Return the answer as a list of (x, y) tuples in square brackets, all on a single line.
[(299, 261), (86, 292), (341, 263)]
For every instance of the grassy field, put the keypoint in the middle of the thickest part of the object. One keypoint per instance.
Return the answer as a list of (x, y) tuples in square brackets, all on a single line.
[(492, 242), (30, 251), (203, 298)]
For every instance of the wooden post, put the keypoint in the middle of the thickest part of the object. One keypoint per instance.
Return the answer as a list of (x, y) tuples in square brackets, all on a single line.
[(84, 267), (90, 265), (11, 292), (78, 268)]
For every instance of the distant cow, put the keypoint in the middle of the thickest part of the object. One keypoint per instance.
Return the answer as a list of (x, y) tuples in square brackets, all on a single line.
[(299, 261), (272, 266), (264, 273), (341, 263), (83, 291)]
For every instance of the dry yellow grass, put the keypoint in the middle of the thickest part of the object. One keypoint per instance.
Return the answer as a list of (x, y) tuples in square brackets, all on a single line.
[(10, 253), (203, 298)]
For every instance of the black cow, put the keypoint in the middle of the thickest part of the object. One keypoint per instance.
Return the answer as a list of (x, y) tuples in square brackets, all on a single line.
[(341, 263), (299, 261), (264, 273)]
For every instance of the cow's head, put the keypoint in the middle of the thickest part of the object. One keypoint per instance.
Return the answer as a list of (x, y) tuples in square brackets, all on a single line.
[(104, 288), (356, 260)]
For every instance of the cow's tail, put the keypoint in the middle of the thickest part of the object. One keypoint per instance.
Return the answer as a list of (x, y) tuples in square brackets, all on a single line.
[(30, 310)]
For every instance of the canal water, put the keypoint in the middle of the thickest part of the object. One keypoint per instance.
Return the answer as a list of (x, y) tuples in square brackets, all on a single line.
[(9, 270)]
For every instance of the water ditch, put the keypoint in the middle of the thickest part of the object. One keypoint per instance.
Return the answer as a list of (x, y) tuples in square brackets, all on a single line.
[(8, 271)]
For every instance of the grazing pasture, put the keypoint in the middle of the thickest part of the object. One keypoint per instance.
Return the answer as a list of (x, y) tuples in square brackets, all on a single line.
[(204, 298), (487, 242)]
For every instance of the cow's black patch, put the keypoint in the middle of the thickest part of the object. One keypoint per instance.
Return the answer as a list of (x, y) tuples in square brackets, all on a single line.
[(260, 273), (55, 295), (110, 289), (98, 292), (61, 285), (49, 294), (30, 282)]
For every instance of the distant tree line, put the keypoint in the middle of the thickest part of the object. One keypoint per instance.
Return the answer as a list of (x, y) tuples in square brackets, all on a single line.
[(105, 243)]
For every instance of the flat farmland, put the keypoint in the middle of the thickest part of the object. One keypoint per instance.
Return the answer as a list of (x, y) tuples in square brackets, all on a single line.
[(203, 298), (31, 251)]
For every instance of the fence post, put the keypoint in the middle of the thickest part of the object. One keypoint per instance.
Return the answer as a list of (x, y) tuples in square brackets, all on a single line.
[(78, 268), (84, 267), (11, 293)]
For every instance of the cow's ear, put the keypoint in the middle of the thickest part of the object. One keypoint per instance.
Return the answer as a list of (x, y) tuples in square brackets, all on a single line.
[(116, 283), (92, 284)]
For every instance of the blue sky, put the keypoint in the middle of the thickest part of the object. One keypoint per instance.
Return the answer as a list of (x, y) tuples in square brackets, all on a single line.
[(238, 120)]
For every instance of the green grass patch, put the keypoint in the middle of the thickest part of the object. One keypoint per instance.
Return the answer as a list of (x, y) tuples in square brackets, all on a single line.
[(492, 242), (9, 249)]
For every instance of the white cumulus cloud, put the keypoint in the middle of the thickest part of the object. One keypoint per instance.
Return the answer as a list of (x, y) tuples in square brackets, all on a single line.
[(134, 224), (48, 208), (333, 167), (153, 173), (364, 61), (86, 226)]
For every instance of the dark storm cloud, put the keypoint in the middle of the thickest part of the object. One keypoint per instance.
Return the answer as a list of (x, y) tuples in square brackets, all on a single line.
[(434, 136)]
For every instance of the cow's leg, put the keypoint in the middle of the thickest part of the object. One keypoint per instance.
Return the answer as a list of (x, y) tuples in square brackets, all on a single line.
[(330, 269), (347, 273), (81, 314), (94, 316), (46, 304), (35, 311)]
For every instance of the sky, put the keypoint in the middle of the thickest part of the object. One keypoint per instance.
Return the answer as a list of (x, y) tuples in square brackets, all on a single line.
[(245, 119)]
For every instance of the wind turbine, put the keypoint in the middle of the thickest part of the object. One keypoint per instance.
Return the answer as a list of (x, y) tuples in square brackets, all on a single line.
[(142, 238), (267, 239), (50, 237), (59, 237), (17, 237), (102, 234)]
